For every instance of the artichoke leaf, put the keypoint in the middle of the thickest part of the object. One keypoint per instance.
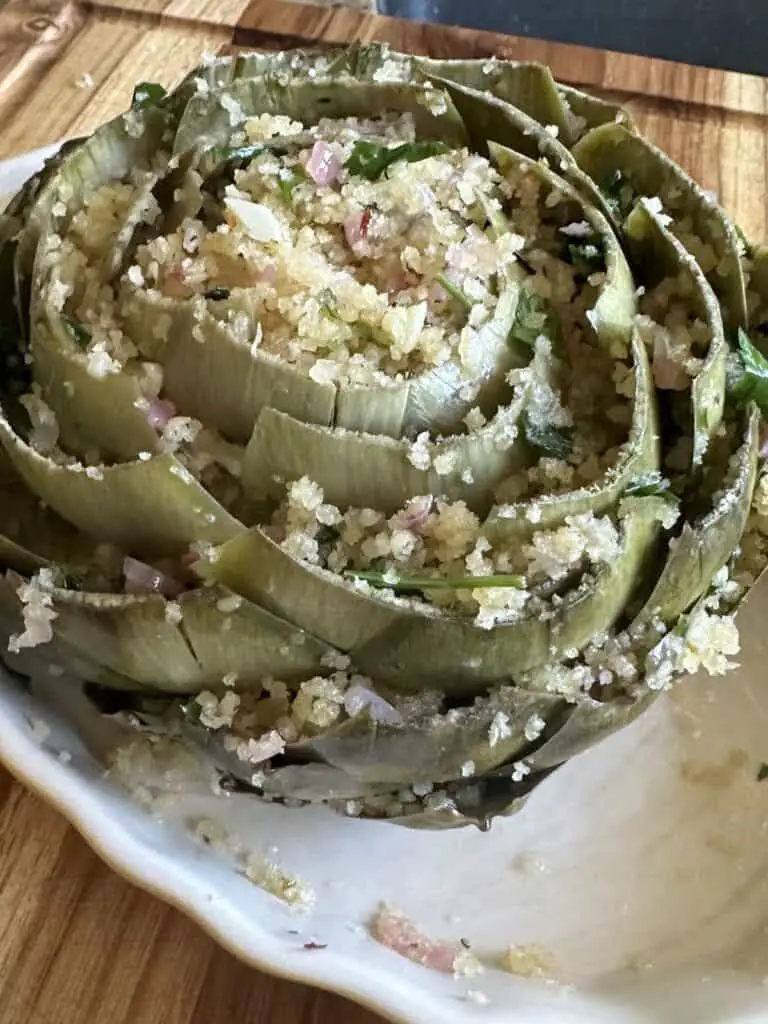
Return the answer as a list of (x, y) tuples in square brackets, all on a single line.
[(492, 120), (55, 657), (612, 149), (592, 111), (588, 722), (148, 507), (316, 600), (207, 122), (612, 316), (437, 748), (376, 472), (212, 636), (216, 377), (639, 456), (704, 546), (659, 253), (104, 414), (526, 86), (424, 649)]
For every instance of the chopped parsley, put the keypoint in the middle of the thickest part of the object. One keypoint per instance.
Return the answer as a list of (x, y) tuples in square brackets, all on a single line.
[(586, 257), (553, 441), (650, 485), (532, 318), (329, 306), (612, 189), (454, 291), (749, 383), (370, 159), (79, 334), (286, 183), (148, 94)]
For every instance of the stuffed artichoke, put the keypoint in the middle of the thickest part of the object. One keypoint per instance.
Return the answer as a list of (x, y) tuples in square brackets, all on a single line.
[(388, 426)]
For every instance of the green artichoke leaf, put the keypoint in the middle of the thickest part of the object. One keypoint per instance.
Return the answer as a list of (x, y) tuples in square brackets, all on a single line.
[(53, 658), (588, 722), (758, 296), (316, 600), (127, 144), (526, 86), (436, 748), (31, 535), (612, 153), (216, 377), (612, 317), (591, 111), (103, 414), (659, 253), (638, 456), (408, 645), (452, 653), (152, 506), (207, 121), (374, 471), (702, 547), (211, 636), (492, 120)]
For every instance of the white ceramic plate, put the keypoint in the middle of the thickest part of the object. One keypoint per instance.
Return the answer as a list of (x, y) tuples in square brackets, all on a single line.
[(641, 867)]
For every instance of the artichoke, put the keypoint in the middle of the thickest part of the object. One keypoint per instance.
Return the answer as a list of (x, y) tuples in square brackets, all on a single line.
[(389, 427)]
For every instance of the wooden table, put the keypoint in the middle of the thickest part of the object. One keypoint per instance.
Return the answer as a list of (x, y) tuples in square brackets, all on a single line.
[(78, 945)]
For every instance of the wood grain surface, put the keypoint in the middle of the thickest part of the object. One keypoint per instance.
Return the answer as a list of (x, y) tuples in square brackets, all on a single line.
[(78, 945)]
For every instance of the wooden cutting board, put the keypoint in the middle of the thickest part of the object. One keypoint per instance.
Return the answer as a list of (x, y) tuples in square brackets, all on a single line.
[(78, 945)]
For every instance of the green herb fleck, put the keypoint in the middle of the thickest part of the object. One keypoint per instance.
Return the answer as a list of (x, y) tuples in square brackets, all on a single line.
[(650, 485), (216, 294), (454, 291), (750, 382), (79, 334), (370, 159), (191, 711), (329, 306), (148, 94), (287, 183), (532, 318), (762, 772), (586, 257), (408, 582), (613, 192), (554, 441)]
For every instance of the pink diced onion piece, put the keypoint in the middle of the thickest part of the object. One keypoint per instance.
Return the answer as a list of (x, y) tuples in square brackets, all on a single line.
[(160, 411), (397, 933), (356, 227), (359, 698), (323, 166), (141, 578)]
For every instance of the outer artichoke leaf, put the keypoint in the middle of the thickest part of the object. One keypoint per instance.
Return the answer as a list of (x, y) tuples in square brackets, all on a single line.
[(705, 546), (591, 111), (658, 252), (647, 171), (616, 305), (453, 654), (758, 295), (247, 641), (588, 723), (490, 119), (207, 121), (31, 535), (640, 455), (148, 507), (56, 656), (315, 600), (435, 749), (214, 376), (365, 471), (93, 413), (528, 87)]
